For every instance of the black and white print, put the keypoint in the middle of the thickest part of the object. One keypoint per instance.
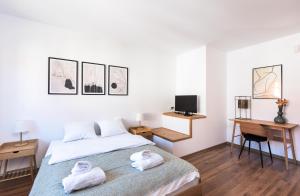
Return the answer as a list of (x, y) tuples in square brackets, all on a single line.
[(117, 80), (62, 76), (93, 78)]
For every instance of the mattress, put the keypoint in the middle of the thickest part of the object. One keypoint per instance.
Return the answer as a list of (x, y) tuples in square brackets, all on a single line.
[(122, 179)]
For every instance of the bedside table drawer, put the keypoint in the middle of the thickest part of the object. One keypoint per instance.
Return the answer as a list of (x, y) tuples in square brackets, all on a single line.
[(17, 154), (146, 133)]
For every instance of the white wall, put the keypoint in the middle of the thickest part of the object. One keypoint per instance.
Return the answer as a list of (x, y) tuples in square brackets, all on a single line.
[(239, 79), (190, 75), (202, 71), (24, 49), (153, 82), (176, 124)]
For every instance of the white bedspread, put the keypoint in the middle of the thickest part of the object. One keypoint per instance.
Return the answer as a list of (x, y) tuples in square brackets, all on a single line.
[(77, 149)]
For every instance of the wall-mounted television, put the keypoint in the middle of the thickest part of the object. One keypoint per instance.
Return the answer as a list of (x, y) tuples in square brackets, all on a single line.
[(186, 104)]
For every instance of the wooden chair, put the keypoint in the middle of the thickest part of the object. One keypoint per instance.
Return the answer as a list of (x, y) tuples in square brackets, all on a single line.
[(257, 133)]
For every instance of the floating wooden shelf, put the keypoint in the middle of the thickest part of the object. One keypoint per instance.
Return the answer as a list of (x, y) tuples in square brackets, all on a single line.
[(181, 116), (175, 136), (170, 135), (177, 115)]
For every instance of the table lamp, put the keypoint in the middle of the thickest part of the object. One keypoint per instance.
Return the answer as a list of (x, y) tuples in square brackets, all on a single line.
[(139, 118), (23, 126), (243, 107)]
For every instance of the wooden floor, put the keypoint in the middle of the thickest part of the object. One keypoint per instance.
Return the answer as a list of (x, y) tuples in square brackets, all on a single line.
[(221, 174), (18, 187)]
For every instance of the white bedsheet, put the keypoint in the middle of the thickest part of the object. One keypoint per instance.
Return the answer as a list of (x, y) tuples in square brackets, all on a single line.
[(64, 151), (176, 184), (125, 140)]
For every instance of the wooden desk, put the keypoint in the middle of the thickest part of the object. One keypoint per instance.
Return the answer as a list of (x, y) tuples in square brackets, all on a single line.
[(271, 129)]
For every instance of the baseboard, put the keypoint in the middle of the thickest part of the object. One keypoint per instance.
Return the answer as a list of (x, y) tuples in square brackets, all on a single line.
[(264, 153), (238, 146), (206, 149)]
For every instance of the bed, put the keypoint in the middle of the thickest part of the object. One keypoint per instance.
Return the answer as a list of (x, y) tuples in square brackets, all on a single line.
[(174, 177)]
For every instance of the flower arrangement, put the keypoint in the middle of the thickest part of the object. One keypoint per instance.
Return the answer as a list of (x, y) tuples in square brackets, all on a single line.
[(282, 102), (280, 118)]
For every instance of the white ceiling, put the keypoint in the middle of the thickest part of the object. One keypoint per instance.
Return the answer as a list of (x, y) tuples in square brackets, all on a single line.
[(171, 24)]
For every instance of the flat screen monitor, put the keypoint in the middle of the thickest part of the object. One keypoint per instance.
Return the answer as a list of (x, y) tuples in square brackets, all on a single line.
[(186, 104)]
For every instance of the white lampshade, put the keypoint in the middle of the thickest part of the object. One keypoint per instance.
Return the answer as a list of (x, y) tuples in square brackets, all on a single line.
[(139, 117), (23, 126)]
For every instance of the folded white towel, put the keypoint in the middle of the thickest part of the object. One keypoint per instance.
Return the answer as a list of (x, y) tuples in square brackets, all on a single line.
[(76, 182), (81, 167), (153, 161), (142, 155)]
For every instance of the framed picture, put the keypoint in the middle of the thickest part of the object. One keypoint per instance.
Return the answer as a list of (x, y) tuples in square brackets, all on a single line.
[(267, 82), (93, 78), (117, 80), (62, 76)]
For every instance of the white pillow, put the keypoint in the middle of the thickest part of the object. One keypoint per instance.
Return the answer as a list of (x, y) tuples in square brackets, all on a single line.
[(111, 127), (79, 130)]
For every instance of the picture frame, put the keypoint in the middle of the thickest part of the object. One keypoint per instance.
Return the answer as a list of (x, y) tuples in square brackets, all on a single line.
[(117, 80), (267, 82), (62, 76), (93, 78)]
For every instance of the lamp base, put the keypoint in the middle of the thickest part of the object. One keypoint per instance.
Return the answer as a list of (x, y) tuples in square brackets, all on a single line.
[(21, 144)]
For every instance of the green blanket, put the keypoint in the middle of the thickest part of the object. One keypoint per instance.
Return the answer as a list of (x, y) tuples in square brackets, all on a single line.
[(121, 178)]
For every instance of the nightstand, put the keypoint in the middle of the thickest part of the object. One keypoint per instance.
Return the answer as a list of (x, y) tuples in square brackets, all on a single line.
[(143, 131), (10, 151)]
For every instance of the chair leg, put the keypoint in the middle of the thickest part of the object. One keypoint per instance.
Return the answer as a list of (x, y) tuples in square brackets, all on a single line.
[(249, 147), (242, 149), (270, 151), (261, 157)]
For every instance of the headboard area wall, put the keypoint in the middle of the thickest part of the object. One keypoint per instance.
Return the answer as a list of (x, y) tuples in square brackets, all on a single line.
[(24, 51)]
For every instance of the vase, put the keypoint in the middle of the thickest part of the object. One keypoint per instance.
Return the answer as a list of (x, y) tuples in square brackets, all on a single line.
[(280, 119)]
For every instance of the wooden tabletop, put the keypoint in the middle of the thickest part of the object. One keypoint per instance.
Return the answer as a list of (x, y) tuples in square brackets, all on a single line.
[(170, 135), (267, 123), (11, 146), (193, 117)]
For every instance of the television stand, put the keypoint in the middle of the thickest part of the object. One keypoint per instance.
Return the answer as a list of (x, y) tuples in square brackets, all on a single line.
[(184, 113), (188, 114), (176, 135), (182, 116)]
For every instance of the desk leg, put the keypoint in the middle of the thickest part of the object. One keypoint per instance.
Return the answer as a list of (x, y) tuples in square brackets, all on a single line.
[(285, 149), (292, 145), (232, 138)]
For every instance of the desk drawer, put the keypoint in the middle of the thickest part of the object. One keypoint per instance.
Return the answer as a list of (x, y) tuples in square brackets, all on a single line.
[(17, 154)]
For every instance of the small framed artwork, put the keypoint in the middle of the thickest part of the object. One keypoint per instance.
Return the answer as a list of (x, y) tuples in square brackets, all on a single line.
[(93, 78), (267, 82), (117, 80), (62, 76)]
